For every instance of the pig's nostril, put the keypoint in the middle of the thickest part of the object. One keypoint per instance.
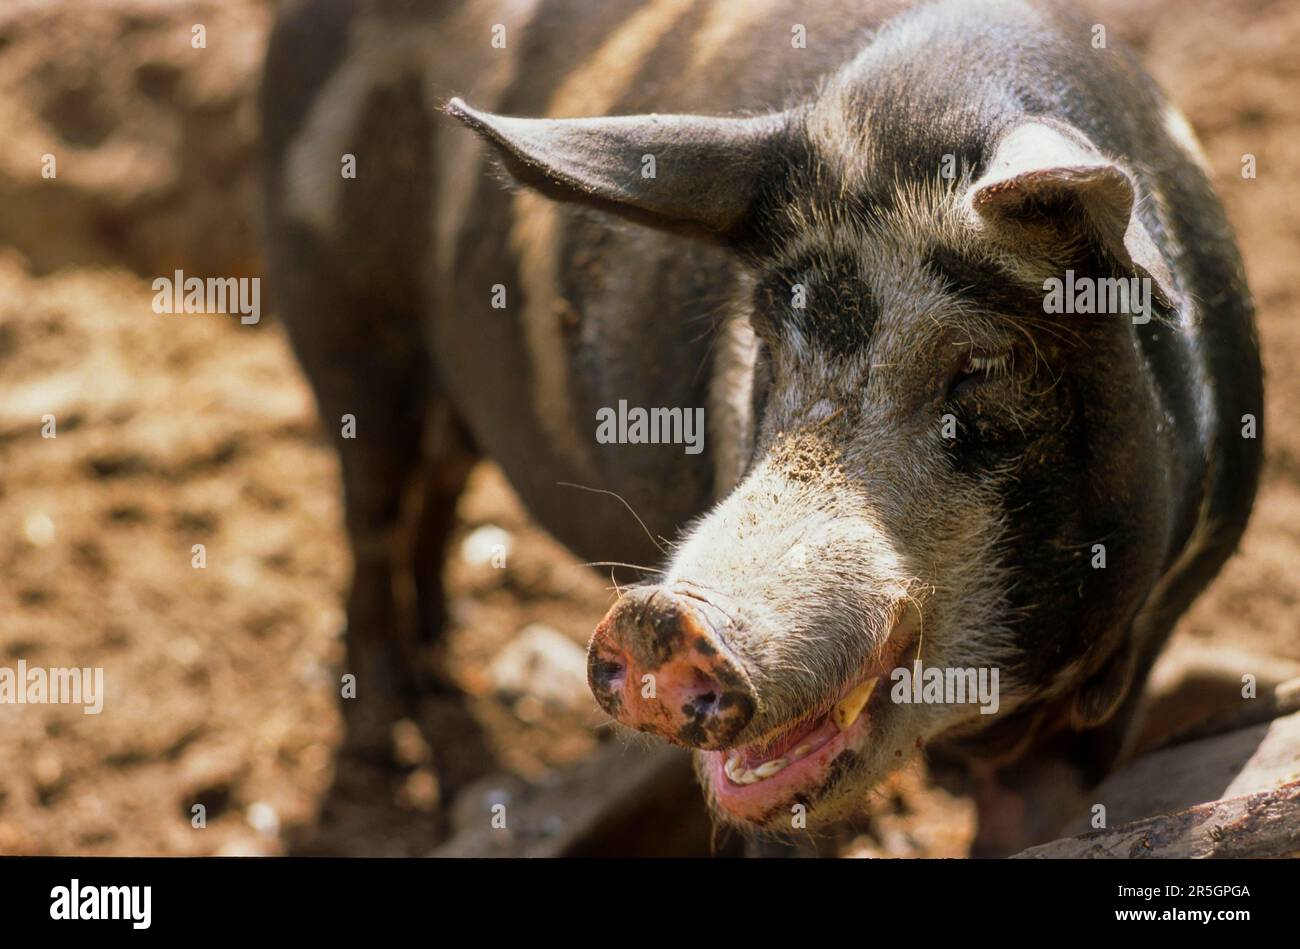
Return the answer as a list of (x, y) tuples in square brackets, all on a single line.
[(701, 705), (608, 672)]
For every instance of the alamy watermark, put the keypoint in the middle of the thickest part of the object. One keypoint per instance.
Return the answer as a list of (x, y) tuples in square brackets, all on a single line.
[(57, 685), (1130, 295), (133, 904), (937, 685), (240, 296), (656, 426)]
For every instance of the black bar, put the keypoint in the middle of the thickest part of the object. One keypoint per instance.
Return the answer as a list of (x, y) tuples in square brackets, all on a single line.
[(581, 900)]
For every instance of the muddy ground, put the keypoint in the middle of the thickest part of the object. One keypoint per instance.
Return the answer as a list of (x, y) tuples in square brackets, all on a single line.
[(174, 431)]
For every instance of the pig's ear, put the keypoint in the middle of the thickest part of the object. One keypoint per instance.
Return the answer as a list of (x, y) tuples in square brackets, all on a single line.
[(1041, 169), (684, 173)]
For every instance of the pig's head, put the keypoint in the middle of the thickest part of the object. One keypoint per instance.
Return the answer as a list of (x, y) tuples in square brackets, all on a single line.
[(939, 466)]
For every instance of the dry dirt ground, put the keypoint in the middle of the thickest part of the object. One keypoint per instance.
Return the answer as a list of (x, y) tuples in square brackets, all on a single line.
[(181, 430)]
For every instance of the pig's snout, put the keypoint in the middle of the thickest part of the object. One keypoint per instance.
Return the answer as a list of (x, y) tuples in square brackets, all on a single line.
[(657, 664)]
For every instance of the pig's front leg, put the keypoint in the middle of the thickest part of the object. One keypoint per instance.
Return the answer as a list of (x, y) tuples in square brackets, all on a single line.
[(1032, 810)]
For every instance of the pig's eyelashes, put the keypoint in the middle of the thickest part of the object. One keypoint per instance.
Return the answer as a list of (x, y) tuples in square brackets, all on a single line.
[(980, 367), (989, 364)]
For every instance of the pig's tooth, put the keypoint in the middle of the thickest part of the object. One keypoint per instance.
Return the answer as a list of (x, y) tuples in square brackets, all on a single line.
[(801, 751), (732, 768), (769, 768), (850, 707)]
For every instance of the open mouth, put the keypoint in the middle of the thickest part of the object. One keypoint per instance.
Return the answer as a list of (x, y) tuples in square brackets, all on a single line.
[(753, 782)]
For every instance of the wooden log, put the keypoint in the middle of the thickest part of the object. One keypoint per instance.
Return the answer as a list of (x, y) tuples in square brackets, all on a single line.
[(622, 801), (1266, 824), (1235, 793)]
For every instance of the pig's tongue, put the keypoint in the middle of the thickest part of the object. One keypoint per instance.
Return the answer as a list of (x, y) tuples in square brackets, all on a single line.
[(815, 730)]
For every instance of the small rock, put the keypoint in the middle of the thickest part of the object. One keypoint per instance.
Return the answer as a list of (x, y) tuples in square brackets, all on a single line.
[(545, 665), (409, 746), (472, 809), (420, 791), (486, 546), (262, 817), (47, 771), (39, 530)]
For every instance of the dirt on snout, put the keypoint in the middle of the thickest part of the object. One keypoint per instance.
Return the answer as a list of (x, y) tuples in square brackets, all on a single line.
[(170, 506)]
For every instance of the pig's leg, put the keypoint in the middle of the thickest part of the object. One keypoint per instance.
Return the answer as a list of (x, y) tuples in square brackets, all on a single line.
[(372, 382), (1022, 811), (451, 457), (348, 259), (1031, 801), (378, 468)]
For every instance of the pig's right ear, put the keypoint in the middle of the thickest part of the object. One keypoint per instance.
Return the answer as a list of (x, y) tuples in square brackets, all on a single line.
[(688, 174)]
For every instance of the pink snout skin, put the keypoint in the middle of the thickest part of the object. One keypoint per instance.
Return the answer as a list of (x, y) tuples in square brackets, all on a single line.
[(657, 664)]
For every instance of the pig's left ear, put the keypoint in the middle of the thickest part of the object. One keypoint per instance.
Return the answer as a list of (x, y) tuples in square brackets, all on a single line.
[(1044, 167), (689, 174)]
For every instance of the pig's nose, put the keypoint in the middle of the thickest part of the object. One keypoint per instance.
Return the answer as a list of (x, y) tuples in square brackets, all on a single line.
[(656, 663)]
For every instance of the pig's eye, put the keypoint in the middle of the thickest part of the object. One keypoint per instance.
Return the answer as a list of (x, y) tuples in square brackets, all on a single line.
[(981, 367)]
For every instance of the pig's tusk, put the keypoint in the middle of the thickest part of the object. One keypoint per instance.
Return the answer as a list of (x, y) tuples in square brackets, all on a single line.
[(848, 709)]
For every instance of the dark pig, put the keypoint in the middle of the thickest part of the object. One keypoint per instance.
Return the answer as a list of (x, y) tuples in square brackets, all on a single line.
[(946, 282)]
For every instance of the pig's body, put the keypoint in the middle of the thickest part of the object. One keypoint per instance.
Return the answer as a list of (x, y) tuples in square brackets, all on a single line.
[(387, 283)]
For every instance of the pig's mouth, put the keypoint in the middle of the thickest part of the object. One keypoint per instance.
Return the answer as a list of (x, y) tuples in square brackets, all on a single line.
[(754, 783)]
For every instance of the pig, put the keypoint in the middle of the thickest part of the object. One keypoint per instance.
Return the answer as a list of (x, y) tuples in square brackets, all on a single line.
[(853, 236)]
